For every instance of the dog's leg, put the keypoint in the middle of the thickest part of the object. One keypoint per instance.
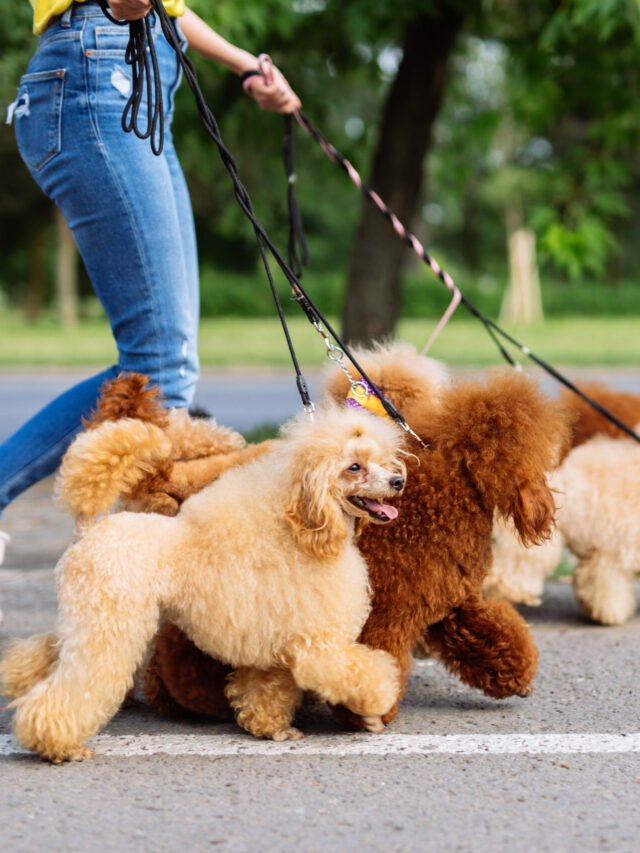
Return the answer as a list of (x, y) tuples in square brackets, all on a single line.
[(265, 702), (399, 649), (101, 645), (604, 588), (26, 662), (366, 681), (182, 678), (488, 645)]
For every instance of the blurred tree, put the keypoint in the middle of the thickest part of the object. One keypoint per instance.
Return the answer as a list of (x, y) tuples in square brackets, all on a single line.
[(543, 119), (539, 114), (26, 215), (412, 104)]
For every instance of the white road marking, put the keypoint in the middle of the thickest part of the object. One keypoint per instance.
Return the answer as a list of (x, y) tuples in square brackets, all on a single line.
[(357, 744)]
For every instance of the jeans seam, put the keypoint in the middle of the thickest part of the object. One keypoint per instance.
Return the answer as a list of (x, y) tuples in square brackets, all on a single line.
[(145, 272)]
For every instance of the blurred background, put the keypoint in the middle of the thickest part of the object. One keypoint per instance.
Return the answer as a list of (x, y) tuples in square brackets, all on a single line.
[(503, 133)]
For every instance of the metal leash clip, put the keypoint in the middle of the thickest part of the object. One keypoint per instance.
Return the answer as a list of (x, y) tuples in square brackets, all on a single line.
[(360, 393)]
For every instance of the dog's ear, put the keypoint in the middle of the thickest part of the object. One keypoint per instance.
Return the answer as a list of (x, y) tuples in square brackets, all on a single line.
[(312, 511), (533, 509)]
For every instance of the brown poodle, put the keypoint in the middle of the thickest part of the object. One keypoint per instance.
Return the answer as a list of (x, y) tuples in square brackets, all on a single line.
[(489, 446)]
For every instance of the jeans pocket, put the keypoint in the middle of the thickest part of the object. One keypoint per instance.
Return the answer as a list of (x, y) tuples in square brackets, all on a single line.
[(38, 116), (111, 41)]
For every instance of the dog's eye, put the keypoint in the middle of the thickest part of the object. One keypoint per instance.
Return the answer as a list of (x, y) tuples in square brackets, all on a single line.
[(354, 467)]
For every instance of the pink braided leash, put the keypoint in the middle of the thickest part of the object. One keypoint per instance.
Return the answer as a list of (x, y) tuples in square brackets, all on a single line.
[(409, 238)]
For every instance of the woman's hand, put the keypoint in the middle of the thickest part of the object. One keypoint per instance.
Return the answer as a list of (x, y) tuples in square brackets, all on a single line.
[(269, 88), (272, 92), (129, 10)]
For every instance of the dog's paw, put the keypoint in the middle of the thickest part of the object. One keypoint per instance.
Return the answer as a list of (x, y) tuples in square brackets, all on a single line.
[(384, 689), (80, 754), (609, 600), (373, 723), (390, 716), (609, 612), (289, 733)]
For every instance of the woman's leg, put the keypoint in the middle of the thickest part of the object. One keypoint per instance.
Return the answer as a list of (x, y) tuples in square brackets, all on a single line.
[(131, 218)]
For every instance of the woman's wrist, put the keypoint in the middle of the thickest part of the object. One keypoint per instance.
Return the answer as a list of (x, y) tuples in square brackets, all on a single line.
[(244, 62)]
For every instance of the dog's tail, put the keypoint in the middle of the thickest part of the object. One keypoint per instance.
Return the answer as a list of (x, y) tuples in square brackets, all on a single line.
[(106, 461), (129, 395), (26, 662)]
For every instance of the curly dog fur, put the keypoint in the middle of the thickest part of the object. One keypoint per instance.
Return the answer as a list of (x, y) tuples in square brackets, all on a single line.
[(490, 444), (598, 491), (260, 570), (185, 453)]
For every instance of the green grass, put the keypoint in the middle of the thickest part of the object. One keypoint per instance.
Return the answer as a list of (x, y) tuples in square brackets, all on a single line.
[(610, 341)]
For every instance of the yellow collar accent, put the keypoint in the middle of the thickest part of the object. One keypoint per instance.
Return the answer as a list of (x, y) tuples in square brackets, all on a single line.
[(360, 395)]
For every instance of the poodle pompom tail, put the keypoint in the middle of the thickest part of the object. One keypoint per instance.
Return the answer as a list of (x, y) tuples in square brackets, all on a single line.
[(129, 395), (25, 663), (104, 462)]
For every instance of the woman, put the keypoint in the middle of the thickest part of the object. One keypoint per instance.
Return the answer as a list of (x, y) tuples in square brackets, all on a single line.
[(129, 210)]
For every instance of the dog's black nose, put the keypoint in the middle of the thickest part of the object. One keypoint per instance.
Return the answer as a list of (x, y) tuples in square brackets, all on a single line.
[(397, 483)]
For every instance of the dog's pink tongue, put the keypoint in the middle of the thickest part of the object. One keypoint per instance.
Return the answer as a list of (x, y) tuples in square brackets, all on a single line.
[(385, 509)]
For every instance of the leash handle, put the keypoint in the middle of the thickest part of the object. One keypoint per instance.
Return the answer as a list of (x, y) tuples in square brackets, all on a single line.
[(145, 73), (264, 70), (265, 67)]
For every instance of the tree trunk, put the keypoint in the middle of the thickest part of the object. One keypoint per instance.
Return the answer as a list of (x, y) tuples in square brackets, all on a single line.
[(373, 289), (66, 274), (522, 301)]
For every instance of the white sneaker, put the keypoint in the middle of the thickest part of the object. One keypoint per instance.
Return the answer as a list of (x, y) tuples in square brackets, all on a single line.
[(4, 541)]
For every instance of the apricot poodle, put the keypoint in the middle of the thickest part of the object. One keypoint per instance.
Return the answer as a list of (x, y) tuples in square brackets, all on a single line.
[(259, 570), (596, 487)]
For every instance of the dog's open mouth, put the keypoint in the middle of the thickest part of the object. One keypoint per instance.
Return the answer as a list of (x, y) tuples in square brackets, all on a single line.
[(376, 510)]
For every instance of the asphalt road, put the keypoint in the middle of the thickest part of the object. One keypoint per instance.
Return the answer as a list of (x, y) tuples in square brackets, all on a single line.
[(456, 771), (191, 785), (238, 398)]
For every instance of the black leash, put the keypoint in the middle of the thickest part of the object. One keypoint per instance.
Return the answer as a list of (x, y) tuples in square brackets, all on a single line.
[(143, 76), (140, 33)]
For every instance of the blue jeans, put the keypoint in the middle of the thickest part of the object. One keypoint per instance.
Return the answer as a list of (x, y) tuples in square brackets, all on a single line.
[(130, 214)]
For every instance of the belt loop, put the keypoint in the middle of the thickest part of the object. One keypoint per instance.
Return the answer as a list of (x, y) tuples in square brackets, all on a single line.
[(65, 18)]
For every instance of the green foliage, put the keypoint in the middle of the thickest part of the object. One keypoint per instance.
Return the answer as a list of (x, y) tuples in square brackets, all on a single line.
[(259, 342), (549, 135), (541, 119), (25, 214), (262, 432)]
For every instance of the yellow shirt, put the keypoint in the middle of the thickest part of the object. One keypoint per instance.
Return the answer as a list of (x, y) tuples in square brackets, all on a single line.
[(44, 10)]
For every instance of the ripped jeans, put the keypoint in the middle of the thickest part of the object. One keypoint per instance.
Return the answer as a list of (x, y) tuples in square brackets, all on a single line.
[(130, 214)]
